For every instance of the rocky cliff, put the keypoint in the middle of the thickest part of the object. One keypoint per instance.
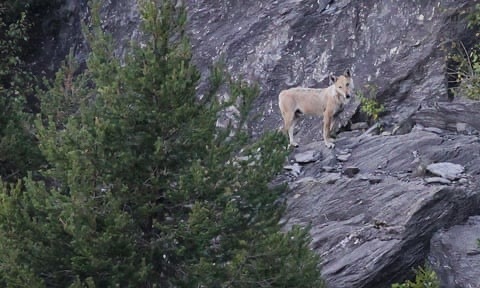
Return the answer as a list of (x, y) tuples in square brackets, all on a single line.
[(373, 202)]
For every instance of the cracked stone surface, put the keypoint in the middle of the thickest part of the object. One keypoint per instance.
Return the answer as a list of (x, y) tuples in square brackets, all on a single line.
[(371, 233), (455, 254)]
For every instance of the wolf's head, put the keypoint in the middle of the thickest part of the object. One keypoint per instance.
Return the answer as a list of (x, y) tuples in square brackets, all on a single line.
[(343, 86)]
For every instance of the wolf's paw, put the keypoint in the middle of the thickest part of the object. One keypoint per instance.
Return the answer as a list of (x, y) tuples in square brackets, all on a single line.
[(293, 144), (329, 145)]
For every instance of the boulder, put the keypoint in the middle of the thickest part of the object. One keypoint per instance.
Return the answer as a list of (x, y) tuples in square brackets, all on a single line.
[(460, 115), (350, 171), (455, 255), (446, 170), (307, 157), (371, 234)]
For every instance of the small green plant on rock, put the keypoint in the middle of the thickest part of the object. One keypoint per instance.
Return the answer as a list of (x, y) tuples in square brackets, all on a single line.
[(465, 77), (424, 278), (464, 71), (368, 103)]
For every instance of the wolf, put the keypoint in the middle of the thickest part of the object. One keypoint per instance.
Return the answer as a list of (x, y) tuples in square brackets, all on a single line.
[(326, 102)]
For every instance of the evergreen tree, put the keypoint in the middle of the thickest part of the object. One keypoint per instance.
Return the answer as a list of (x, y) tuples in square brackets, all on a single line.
[(18, 150), (141, 189)]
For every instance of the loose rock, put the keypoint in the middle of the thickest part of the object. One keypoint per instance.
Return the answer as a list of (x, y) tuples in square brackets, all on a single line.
[(359, 126), (446, 170), (371, 179), (343, 157), (329, 169), (295, 169), (437, 180), (433, 130), (351, 171), (307, 157)]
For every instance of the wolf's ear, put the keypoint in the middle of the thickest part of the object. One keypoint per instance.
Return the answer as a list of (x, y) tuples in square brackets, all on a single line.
[(348, 73), (331, 79)]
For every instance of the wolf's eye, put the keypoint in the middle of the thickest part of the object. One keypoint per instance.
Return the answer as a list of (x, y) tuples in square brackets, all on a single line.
[(340, 87), (348, 84)]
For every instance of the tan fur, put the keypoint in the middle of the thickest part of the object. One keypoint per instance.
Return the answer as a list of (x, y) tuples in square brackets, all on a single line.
[(324, 102)]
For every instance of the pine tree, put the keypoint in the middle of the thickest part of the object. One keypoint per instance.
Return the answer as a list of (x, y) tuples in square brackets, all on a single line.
[(18, 150), (142, 190)]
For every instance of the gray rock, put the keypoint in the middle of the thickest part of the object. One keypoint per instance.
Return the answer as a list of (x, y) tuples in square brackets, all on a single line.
[(295, 169), (374, 180), (437, 180), (364, 177), (387, 226), (447, 115), (343, 157), (326, 178), (371, 179), (350, 171), (331, 178), (418, 127), (359, 126), (305, 180), (317, 150), (374, 130), (446, 170), (433, 130), (461, 127), (307, 157), (329, 169), (455, 255), (403, 127), (465, 128)]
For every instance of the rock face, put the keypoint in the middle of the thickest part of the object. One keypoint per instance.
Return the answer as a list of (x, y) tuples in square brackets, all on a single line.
[(372, 203), (61, 31), (394, 46), (455, 254), (370, 233)]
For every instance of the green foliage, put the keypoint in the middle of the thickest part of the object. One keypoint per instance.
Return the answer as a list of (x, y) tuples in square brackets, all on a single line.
[(467, 68), (66, 94), (368, 103), (12, 9), (466, 74), (18, 151), (141, 189), (424, 278), (474, 17)]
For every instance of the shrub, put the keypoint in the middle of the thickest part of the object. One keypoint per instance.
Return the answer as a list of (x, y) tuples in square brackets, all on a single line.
[(424, 278), (465, 77), (368, 103)]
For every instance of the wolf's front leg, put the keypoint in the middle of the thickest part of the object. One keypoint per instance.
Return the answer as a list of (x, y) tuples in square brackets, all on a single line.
[(327, 127), (290, 133)]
